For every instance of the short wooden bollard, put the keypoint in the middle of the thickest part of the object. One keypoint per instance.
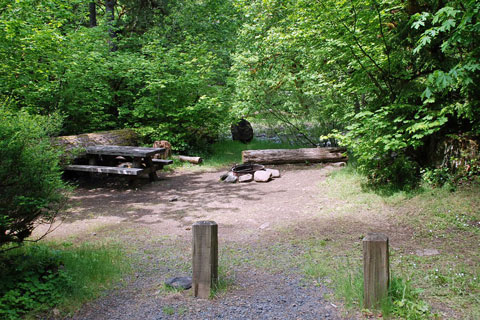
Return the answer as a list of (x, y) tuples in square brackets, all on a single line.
[(376, 269), (205, 258)]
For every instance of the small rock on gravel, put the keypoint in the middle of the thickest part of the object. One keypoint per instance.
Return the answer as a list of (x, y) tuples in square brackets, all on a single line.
[(231, 178), (427, 252), (264, 226), (224, 176), (262, 176), (179, 282), (245, 178), (275, 173)]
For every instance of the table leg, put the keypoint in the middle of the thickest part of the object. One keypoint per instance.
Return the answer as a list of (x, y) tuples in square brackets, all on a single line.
[(92, 161), (153, 170)]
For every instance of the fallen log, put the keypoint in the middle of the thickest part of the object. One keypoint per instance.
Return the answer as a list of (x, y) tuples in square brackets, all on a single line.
[(194, 160), (73, 145), (122, 137), (282, 156)]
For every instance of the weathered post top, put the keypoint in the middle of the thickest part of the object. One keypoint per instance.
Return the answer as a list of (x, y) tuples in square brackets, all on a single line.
[(205, 223), (375, 237)]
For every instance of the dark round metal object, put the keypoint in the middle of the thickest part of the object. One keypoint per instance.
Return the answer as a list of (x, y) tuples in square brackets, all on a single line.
[(246, 168)]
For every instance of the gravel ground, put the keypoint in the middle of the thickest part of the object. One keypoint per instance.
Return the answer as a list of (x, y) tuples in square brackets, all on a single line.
[(254, 296), (157, 229)]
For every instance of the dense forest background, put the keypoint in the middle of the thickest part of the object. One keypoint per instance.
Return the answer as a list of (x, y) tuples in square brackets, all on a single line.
[(392, 80)]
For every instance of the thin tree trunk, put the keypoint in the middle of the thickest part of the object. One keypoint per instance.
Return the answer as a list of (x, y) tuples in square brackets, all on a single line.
[(110, 12), (93, 14)]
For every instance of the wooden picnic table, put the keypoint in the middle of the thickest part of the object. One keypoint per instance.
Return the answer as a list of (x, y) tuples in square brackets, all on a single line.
[(100, 159), (124, 151)]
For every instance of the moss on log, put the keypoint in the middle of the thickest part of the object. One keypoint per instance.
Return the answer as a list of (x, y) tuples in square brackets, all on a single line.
[(73, 145)]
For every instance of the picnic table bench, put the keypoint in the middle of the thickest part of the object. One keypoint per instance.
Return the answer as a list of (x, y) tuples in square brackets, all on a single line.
[(103, 159)]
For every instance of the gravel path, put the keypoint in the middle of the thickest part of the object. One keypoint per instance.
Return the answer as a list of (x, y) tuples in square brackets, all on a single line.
[(256, 296)]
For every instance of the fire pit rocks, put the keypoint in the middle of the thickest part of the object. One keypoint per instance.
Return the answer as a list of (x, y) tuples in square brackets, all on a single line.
[(249, 172)]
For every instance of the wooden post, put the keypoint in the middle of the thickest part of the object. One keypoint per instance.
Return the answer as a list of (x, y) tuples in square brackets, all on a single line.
[(205, 258), (376, 270)]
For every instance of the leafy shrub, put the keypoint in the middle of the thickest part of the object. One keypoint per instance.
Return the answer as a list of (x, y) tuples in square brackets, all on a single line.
[(190, 129), (31, 189), (436, 177), (404, 301), (31, 280), (37, 278), (395, 171)]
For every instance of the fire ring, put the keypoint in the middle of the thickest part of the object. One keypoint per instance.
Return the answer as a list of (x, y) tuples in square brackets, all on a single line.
[(246, 168)]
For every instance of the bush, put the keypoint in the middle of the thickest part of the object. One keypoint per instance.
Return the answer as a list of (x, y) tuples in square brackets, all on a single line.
[(38, 278), (31, 189), (396, 172), (32, 280)]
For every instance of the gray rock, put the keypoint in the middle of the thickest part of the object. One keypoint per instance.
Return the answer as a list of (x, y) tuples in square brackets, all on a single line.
[(338, 164), (179, 282), (262, 176), (224, 176), (275, 173), (264, 226), (231, 178), (427, 252), (245, 178)]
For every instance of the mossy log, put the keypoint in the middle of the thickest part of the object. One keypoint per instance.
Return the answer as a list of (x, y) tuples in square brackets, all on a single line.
[(73, 145), (282, 156)]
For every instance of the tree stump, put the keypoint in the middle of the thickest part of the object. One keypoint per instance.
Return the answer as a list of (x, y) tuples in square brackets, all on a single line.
[(242, 131)]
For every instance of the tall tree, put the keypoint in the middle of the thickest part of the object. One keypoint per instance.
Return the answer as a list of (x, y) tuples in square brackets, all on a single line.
[(110, 13), (92, 9)]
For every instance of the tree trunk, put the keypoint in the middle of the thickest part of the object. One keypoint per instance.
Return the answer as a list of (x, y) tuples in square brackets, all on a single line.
[(280, 156), (93, 14), (110, 13)]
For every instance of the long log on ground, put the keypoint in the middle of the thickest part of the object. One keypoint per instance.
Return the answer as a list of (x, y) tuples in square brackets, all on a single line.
[(282, 156), (123, 137), (194, 160), (70, 144)]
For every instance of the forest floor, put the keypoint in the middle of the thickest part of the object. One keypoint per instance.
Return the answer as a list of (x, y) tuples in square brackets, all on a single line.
[(277, 243)]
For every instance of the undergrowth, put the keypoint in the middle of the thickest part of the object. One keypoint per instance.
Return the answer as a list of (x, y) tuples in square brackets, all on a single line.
[(37, 278), (227, 152), (440, 220), (226, 279), (345, 276)]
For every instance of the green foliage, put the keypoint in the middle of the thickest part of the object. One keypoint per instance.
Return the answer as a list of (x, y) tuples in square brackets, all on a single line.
[(404, 301), (277, 70), (436, 177), (387, 75), (168, 73), (180, 76), (30, 281), (390, 76), (31, 189), (37, 278)]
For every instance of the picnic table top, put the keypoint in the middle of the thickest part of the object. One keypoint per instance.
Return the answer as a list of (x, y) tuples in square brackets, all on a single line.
[(124, 151)]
